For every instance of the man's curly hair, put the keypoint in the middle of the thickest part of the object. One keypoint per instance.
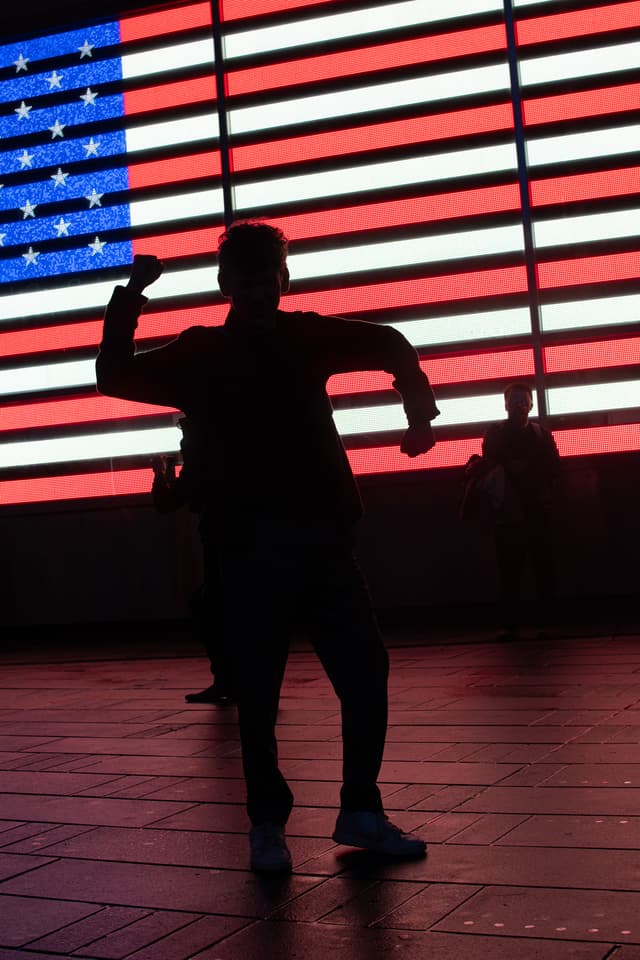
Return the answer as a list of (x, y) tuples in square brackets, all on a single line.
[(250, 246)]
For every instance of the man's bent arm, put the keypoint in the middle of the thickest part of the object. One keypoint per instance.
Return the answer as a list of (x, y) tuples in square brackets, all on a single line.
[(148, 377)]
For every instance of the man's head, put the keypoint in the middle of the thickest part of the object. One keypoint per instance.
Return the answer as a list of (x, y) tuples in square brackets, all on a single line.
[(252, 267), (518, 402)]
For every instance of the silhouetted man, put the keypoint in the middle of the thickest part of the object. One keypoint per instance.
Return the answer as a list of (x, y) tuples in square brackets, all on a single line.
[(529, 458), (281, 502)]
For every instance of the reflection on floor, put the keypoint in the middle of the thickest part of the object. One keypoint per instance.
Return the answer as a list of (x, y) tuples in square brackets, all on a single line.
[(123, 832)]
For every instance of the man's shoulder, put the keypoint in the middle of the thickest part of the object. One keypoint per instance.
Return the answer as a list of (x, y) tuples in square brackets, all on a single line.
[(200, 336)]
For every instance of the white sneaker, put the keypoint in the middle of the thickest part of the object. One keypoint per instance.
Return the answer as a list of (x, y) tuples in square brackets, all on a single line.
[(374, 831), (269, 850)]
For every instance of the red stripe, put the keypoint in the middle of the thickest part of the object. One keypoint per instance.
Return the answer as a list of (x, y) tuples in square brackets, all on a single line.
[(167, 95), (240, 9), (586, 186), (569, 273), (586, 103), (171, 246), (165, 21), (175, 170), (579, 23), (49, 413), (592, 440), (76, 487), (375, 136), (592, 355), (75, 336), (396, 213), (405, 293), (447, 453), (384, 56), (441, 370)]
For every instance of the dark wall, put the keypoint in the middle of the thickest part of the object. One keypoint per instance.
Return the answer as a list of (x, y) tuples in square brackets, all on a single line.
[(125, 562)]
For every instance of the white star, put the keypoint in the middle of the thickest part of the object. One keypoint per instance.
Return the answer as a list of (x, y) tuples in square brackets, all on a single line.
[(89, 97), (31, 256), (22, 111), (85, 49), (28, 210), (21, 63), (62, 226), (25, 159), (94, 198), (91, 148), (2, 236), (96, 246), (59, 177), (54, 80), (56, 129)]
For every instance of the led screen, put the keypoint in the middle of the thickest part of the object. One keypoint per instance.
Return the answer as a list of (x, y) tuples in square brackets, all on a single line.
[(466, 172)]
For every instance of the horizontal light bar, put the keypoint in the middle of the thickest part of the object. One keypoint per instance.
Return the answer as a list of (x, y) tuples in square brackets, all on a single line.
[(581, 146), (398, 253), (150, 136), (390, 16), (164, 59), (595, 355), (361, 100), (599, 312), (49, 376), (574, 23), (623, 181), (453, 411), (367, 59), (46, 301), (594, 226), (595, 396), (374, 176), (580, 63), (127, 443), (462, 327), (199, 203)]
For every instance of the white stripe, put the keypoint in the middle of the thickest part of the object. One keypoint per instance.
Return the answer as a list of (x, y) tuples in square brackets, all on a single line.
[(48, 376), (398, 253), (457, 410), (458, 328), (578, 146), (175, 57), (580, 63), (367, 178), (602, 311), (360, 100), (172, 132), (91, 447), (375, 19), (45, 302), (595, 226), (200, 203), (595, 396)]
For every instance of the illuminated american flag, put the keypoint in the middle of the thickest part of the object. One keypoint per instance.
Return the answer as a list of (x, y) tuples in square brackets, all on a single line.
[(382, 139)]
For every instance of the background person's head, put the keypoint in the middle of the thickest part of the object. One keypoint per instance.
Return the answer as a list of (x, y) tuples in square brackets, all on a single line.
[(518, 402), (252, 267)]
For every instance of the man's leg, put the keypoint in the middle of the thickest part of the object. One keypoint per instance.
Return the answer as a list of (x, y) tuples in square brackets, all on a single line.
[(256, 642), (351, 650), (509, 551)]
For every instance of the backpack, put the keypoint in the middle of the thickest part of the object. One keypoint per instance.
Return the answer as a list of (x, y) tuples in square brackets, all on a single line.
[(483, 492)]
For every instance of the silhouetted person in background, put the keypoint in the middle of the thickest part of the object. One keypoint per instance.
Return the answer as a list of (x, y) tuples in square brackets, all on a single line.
[(281, 502), (526, 487), (170, 492)]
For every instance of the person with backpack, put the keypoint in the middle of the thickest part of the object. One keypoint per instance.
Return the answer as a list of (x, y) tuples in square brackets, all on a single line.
[(522, 459)]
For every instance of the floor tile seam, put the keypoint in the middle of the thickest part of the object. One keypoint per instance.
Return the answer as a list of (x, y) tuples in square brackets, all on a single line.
[(375, 883), (449, 911), (151, 912), (32, 944)]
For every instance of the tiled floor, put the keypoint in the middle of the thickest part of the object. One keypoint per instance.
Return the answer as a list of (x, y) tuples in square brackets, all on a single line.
[(123, 832)]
